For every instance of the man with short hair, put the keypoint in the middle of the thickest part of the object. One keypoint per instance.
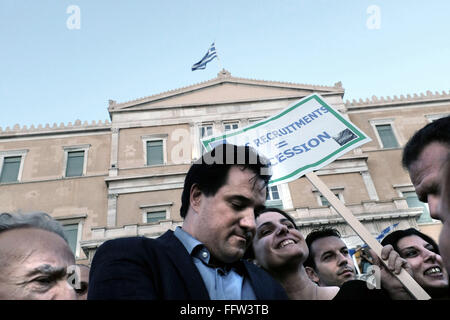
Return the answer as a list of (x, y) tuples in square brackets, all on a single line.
[(202, 259), (329, 262), (423, 157), (34, 258), (444, 214)]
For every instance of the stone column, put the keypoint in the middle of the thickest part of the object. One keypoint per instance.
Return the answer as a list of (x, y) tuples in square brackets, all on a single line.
[(111, 219), (370, 186), (113, 171)]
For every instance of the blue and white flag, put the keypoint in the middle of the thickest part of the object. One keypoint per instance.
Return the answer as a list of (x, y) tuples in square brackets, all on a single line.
[(209, 56), (385, 232), (379, 237)]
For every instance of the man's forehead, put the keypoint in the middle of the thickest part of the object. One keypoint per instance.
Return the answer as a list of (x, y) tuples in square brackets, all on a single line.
[(428, 163), (328, 243), (245, 178), (432, 157), (32, 245)]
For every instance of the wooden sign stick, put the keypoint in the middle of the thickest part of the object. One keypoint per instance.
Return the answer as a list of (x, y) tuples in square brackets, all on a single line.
[(404, 277)]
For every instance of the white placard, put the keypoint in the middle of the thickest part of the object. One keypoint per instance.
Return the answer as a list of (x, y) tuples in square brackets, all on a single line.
[(306, 136)]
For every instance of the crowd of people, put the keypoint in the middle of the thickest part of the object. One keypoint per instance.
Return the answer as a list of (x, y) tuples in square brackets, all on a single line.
[(231, 247)]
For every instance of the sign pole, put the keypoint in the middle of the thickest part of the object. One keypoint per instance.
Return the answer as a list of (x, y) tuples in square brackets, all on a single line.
[(404, 277)]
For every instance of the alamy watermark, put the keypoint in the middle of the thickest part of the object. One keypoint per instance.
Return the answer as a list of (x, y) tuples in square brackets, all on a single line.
[(73, 22), (74, 278), (373, 21), (372, 277)]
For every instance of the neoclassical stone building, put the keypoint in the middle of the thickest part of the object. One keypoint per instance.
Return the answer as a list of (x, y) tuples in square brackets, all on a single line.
[(124, 177)]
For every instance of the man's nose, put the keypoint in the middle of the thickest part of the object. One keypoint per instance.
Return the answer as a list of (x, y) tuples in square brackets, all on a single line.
[(247, 221), (64, 291), (433, 202), (342, 260)]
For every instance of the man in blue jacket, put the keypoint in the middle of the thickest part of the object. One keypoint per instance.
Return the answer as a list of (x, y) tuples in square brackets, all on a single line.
[(202, 259)]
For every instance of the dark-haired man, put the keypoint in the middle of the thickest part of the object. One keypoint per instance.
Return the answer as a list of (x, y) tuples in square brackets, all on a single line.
[(444, 214), (202, 259), (423, 157), (329, 262)]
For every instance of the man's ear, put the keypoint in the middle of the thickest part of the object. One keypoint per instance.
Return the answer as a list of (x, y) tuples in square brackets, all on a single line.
[(312, 274), (195, 197)]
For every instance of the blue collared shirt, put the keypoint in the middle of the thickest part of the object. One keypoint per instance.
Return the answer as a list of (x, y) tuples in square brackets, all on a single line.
[(221, 283)]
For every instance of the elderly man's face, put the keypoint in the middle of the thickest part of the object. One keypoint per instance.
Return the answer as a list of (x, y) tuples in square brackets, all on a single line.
[(33, 266)]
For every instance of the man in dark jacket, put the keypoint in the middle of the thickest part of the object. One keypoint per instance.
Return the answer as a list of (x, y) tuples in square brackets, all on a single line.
[(202, 259)]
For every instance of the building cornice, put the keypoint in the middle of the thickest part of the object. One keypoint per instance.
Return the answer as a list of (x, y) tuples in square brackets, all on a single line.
[(223, 77), (143, 176), (365, 217), (69, 128), (379, 102), (137, 108)]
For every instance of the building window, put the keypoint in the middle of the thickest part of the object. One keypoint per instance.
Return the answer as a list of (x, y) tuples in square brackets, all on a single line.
[(273, 198), (385, 132), (155, 149), (10, 169), (11, 164), (325, 203), (413, 202), (273, 193), (75, 164), (73, 228), (71, 233), (231, 126), (205, 131), (155, 152), (75, 160), (387, 136), (155, 216), (155, 212)]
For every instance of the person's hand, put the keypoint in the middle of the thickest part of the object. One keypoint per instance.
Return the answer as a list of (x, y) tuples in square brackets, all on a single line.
[(392, 264)]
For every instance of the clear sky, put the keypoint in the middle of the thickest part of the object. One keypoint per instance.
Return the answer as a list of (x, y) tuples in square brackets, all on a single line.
[(51, 71)]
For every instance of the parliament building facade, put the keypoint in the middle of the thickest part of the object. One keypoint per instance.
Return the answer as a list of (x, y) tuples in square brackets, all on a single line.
[(124, 177)]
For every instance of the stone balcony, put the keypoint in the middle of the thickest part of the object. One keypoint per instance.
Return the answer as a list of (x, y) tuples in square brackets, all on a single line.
[(375, 216)]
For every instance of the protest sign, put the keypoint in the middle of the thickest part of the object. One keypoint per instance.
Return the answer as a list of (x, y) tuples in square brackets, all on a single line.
[(305, 136)]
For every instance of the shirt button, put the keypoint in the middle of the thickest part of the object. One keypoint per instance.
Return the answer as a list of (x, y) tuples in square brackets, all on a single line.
[(205, 254)]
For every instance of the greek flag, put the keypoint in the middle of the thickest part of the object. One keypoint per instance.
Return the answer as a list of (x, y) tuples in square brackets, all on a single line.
[(385, 232), (379, 237), (209, 56)]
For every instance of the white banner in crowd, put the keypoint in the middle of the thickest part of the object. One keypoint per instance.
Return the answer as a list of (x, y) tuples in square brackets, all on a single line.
[(306, 136)]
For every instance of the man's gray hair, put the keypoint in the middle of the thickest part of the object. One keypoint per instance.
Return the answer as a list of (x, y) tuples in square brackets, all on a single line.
[(38, 220)]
